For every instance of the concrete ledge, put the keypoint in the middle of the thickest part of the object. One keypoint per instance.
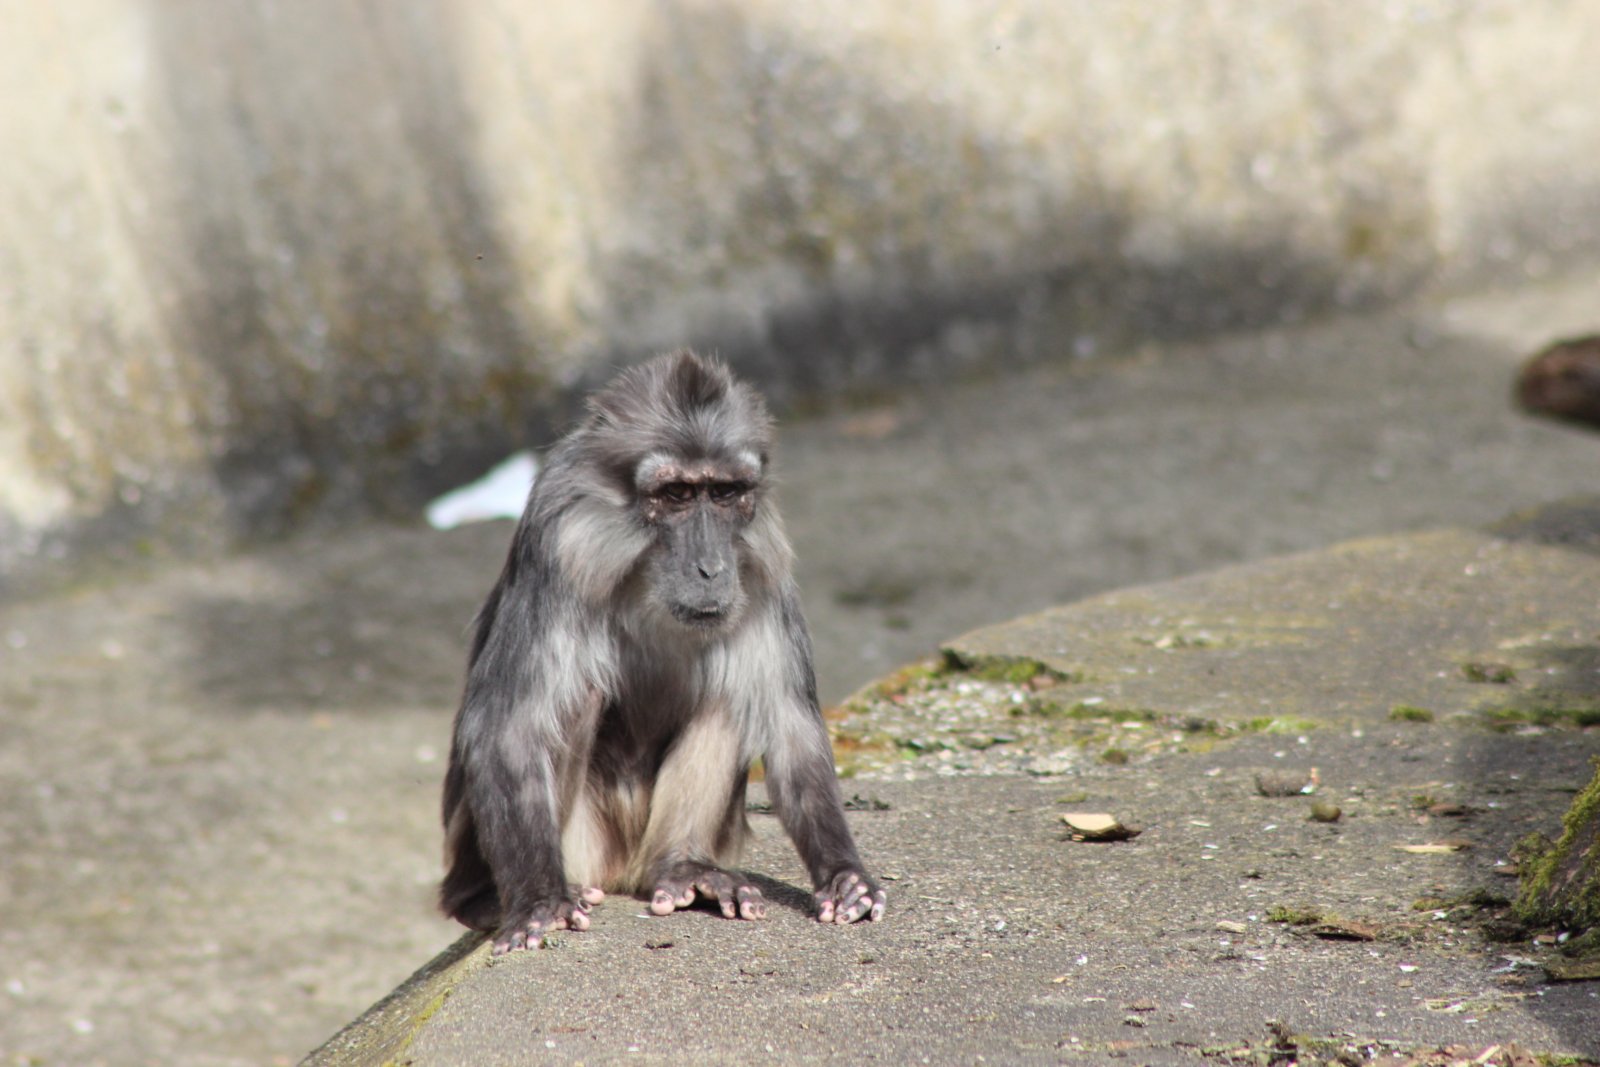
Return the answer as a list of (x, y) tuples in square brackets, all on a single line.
[(1006, 941)]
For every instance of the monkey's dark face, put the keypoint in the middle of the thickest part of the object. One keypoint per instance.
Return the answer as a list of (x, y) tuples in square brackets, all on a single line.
[(697, 511)]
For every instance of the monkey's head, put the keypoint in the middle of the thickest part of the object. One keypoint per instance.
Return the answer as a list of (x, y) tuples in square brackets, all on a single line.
[(689, 444)]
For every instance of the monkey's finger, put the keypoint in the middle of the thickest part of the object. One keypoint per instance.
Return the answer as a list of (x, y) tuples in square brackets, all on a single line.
[(824, 909), (514, 941), (853, 910), (662, 903), (751, 904), (591, 894), (578, 920), (880, 900), (721, 892)]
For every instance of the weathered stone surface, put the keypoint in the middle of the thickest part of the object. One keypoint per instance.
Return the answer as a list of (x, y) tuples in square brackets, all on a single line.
[(265, 263), (1343, 634), (1004, 941)]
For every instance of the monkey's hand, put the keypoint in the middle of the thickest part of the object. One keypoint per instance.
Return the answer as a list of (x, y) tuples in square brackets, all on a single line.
[(848, 896), (678, 886), (527, 929)]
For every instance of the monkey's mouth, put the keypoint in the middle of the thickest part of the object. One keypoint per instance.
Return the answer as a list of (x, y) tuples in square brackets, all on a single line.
[(701, 618)]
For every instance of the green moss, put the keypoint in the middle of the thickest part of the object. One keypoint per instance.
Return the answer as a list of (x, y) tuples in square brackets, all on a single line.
[(1012, 669), (1115, 756), (1575, 904), (1569, 711), (1048, 708), (1410, 713), (1280, 913), (418, 1021), (1489, 673), (1279, 724)]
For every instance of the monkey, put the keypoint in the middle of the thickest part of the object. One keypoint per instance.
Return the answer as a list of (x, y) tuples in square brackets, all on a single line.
[(642, 647)]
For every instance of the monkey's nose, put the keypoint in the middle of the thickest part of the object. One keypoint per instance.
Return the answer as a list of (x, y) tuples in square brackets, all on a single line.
[(709, 568)]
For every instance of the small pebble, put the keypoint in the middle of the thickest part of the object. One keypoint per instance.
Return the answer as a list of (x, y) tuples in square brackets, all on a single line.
[(1285, 783)]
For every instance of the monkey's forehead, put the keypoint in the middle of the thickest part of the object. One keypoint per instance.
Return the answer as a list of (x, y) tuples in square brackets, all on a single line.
[(662, 468)]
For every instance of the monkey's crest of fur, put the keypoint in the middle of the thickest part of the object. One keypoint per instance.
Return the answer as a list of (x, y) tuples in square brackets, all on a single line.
[(682, 404)]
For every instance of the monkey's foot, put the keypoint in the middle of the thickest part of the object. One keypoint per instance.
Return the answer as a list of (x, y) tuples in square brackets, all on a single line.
[(682, 882), (528, 929), (851, 895)]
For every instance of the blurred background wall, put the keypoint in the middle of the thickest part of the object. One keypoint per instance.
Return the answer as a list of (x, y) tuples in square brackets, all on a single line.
[(265, 264)]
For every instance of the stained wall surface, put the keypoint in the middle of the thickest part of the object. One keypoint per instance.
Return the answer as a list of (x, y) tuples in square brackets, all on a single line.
[(265, 263)]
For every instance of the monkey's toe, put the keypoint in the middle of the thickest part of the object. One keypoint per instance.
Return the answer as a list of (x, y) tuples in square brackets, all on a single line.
[(734, 897), (849, 897), (529, 930)]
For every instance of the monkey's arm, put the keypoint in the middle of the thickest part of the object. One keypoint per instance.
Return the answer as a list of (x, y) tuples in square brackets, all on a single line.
[(509, 758), (805, 790)]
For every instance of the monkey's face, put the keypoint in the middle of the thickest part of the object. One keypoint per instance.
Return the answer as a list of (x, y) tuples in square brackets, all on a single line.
[(697, 511)]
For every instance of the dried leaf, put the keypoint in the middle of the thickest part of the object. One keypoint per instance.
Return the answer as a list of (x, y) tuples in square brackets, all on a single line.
[(1437, 848), (1345, 930), (1097, 826)]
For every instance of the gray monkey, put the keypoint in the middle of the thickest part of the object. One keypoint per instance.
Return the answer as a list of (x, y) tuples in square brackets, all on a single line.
[(643, 646)]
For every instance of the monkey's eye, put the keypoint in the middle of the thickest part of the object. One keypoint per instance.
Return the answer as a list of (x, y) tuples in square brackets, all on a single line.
[(725, 492), (677, 492)]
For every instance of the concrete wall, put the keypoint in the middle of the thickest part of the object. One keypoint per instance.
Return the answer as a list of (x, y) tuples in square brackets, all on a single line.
[(266, 262)]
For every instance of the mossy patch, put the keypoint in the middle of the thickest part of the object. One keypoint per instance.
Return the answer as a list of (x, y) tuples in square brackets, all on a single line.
[(1278, 724), (1482, 673), (1014, 670), (418, 1021), (1293, 916), (1560, 882), (1576, 711), (1410, 713)]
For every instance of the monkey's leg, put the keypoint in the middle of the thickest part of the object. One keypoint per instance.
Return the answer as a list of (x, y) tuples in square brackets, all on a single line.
[(697, 822)]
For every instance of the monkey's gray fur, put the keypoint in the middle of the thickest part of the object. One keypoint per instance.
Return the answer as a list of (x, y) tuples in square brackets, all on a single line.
[(643, 646)]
